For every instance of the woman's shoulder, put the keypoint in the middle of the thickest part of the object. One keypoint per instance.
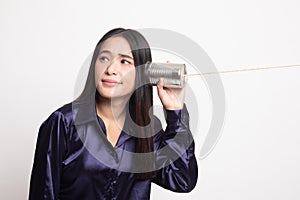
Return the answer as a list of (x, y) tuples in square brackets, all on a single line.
[(66, 110), (63, 113), (77, 112)]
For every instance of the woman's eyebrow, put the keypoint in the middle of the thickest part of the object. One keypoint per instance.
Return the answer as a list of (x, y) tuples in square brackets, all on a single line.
[(105, 51), (126, 56), (120, 54)]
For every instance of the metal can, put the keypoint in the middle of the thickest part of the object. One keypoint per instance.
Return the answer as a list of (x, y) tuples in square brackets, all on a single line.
[(173, 74)]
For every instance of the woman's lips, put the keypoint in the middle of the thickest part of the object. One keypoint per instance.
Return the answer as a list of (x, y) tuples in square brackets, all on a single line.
[(110, 82)]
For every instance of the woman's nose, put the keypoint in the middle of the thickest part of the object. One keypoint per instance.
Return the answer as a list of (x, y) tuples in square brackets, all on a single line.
[(112, 68)]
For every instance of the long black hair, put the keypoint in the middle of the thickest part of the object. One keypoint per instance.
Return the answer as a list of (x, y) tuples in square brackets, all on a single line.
[(141, 101)]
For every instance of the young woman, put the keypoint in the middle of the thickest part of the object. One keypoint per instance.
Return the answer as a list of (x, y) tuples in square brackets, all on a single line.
[(107, 144)]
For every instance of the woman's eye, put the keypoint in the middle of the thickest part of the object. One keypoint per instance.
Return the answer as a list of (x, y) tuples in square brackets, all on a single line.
[(126, 62), (103, 59)]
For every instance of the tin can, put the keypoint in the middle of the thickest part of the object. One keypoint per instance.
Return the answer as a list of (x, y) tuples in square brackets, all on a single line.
[(173, 74)]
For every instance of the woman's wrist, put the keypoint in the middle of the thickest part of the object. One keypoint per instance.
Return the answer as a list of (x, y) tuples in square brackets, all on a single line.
[(172, 115)]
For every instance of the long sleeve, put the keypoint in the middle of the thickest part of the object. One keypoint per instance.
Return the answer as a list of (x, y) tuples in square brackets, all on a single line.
[(47, 165), (175, 153)]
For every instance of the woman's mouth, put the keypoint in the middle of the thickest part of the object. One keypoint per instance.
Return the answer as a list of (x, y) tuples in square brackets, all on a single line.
[(110, 82)]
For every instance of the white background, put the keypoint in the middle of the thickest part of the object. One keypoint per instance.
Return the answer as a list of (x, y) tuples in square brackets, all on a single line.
[(44, 43)]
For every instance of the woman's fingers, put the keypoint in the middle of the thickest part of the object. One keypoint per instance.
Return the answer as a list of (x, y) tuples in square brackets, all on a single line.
[(171, 98)]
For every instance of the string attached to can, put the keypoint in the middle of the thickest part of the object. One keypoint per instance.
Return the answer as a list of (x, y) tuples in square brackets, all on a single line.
[(242, 70), (174, 74)]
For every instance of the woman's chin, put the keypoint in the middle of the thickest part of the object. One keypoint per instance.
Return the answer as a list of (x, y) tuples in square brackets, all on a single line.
[(114, 96), (114, 93)]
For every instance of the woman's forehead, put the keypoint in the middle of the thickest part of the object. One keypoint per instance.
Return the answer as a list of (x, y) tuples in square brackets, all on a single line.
[(116, 45)]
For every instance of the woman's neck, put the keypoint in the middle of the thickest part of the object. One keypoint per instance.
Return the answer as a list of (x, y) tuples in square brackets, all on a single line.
[(111, 109)]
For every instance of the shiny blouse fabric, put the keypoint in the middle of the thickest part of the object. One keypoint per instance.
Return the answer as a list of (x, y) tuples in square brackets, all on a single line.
[(75, 161)]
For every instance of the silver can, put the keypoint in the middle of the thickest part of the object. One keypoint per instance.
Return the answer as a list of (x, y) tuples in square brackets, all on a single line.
[(173, 74)]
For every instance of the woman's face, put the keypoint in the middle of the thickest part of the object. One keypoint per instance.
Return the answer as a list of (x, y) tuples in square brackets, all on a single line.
[(114, 69)]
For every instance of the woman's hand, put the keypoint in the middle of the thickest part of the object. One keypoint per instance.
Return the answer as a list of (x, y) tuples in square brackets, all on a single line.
[(171, 98)]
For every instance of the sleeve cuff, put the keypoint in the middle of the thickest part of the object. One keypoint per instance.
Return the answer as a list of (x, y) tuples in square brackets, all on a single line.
[(172, 115), (175, 115)]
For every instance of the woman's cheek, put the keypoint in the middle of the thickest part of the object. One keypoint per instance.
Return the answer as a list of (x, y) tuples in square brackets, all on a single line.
[(131, 77), (98, 73)]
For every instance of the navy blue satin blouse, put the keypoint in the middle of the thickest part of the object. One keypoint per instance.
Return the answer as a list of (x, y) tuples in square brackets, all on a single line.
[(75, 161)]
